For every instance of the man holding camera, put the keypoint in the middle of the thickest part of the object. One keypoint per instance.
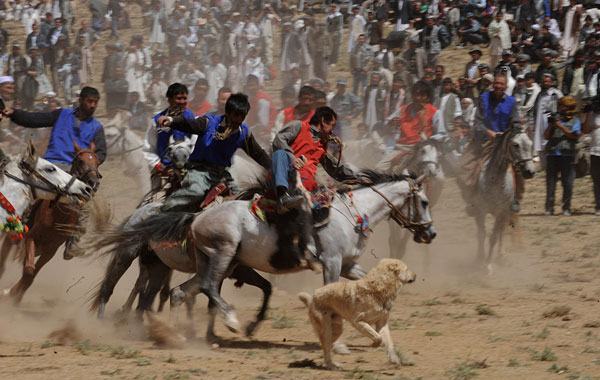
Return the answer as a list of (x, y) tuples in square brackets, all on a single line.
[(546, 104)]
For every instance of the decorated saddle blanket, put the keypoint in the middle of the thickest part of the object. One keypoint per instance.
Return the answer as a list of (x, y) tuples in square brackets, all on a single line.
[(264, 207)]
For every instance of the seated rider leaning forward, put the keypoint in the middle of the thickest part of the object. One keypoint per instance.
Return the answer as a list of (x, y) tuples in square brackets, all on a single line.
[(496, 114), (68, 125), (302, 146), (156, 140), (219, 136)]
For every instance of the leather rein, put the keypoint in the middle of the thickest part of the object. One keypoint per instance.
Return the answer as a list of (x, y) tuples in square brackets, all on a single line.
[(410, 201)]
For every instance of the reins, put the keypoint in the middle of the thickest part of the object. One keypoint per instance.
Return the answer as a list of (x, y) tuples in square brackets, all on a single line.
[(411, 202)]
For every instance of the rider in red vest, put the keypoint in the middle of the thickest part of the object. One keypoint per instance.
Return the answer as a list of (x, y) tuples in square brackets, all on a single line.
[(262, 113), (199, 106), (302, 111), (301, 146), (420, 120)]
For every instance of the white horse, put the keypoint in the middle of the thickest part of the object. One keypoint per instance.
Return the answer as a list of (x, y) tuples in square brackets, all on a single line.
[(228, 234), (495, 189), (27, 178), (423, 160)]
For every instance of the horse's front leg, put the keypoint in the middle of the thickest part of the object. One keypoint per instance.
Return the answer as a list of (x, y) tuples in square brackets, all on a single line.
[(249, 276), (4, 253), (29, 263), (18, 290), (480, 222)]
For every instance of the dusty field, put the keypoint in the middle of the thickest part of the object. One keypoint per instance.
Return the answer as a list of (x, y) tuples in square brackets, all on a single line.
[(537, 317)]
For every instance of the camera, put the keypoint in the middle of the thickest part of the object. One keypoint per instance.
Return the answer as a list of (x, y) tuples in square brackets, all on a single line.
[(552, 117)]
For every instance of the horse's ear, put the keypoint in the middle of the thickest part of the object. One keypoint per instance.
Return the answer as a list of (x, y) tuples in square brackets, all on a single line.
[(77, 148), (92, 146), (31, 149)]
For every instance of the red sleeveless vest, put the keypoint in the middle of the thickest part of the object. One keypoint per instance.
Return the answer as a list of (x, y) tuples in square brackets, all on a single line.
[(289, 115), (202, 108), (252, 117), (410, 133), (305, 145)]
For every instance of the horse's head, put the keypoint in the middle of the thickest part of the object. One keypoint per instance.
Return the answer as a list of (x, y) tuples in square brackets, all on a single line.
[(49, 180), (521, 149), (178, 152), (414, 214), (427, 159), (85, 165)]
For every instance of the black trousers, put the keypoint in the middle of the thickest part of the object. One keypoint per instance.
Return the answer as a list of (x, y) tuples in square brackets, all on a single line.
[(595, 172), (565, 166)]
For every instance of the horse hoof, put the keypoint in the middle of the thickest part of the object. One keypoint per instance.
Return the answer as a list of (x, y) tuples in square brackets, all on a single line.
[(232, 323), (341, 349), (334, 366), (250, 329)]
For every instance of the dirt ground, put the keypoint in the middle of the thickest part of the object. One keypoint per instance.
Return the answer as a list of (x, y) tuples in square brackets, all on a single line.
[(536, 317)]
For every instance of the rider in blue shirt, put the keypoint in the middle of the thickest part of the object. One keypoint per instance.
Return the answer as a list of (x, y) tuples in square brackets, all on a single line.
[(157, 139), (68, 125)]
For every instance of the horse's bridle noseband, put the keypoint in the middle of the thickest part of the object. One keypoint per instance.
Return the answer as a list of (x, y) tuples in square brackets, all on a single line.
[(411, 202)]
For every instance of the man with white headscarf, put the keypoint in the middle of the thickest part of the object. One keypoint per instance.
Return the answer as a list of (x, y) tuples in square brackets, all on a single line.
[(499, 34), (357, 27)]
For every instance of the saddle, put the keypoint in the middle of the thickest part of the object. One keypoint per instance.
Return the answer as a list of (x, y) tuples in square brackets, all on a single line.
[(264, 207)]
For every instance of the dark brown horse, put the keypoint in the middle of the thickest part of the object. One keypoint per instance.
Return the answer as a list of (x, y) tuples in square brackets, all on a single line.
[(53, 223)]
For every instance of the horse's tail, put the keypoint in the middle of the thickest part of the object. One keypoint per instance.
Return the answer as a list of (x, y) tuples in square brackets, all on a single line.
[(166, 226), (305, 298), (127, 242)]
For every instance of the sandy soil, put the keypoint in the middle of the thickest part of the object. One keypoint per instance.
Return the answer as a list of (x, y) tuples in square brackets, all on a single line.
[(537, 317)]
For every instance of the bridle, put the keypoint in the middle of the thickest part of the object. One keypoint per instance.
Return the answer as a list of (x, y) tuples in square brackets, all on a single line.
[(413, 212), (47, 186), (76, 166)]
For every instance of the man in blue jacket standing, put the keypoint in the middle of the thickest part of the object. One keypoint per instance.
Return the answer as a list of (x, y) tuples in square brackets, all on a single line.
[(68, 125)]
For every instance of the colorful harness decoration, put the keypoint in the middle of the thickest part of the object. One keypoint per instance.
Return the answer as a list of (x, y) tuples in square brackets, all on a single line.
[(14, 227)]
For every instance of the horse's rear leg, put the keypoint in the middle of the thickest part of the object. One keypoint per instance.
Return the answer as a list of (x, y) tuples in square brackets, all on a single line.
[(19, 289), (29, 263), (119, 263), (158, 274), (251, 277), (480, 222), (212, 316), (164, 292), (139, 288)]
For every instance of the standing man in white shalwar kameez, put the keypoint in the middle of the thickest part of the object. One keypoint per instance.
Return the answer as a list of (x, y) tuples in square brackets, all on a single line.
[(357, 27), (545, 104), (570, 37), (499, 34)]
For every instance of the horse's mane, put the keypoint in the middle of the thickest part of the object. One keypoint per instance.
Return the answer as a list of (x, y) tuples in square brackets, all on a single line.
[(370, 177), (499, 158)]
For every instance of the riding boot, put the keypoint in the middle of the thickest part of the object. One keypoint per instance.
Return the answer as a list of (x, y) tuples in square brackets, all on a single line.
[(286, 201), (72, 247)]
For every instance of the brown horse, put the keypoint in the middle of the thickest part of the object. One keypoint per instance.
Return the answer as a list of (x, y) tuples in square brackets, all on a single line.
[(53, 223)]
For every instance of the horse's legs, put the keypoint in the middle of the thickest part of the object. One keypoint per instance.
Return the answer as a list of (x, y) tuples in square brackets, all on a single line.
[(353, 271), (495, 236), (164, 292), (158, 273), (138, 289), (4, 253), (212, 316), (207, 280), (29, 263), (120, 262), (19, 289), (251, 277)]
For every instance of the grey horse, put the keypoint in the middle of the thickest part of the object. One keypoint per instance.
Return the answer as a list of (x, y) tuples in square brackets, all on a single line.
[(495, 187), (228, 235)]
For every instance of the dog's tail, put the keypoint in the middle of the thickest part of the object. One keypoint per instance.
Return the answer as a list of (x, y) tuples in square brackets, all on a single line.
[(305, 298)]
